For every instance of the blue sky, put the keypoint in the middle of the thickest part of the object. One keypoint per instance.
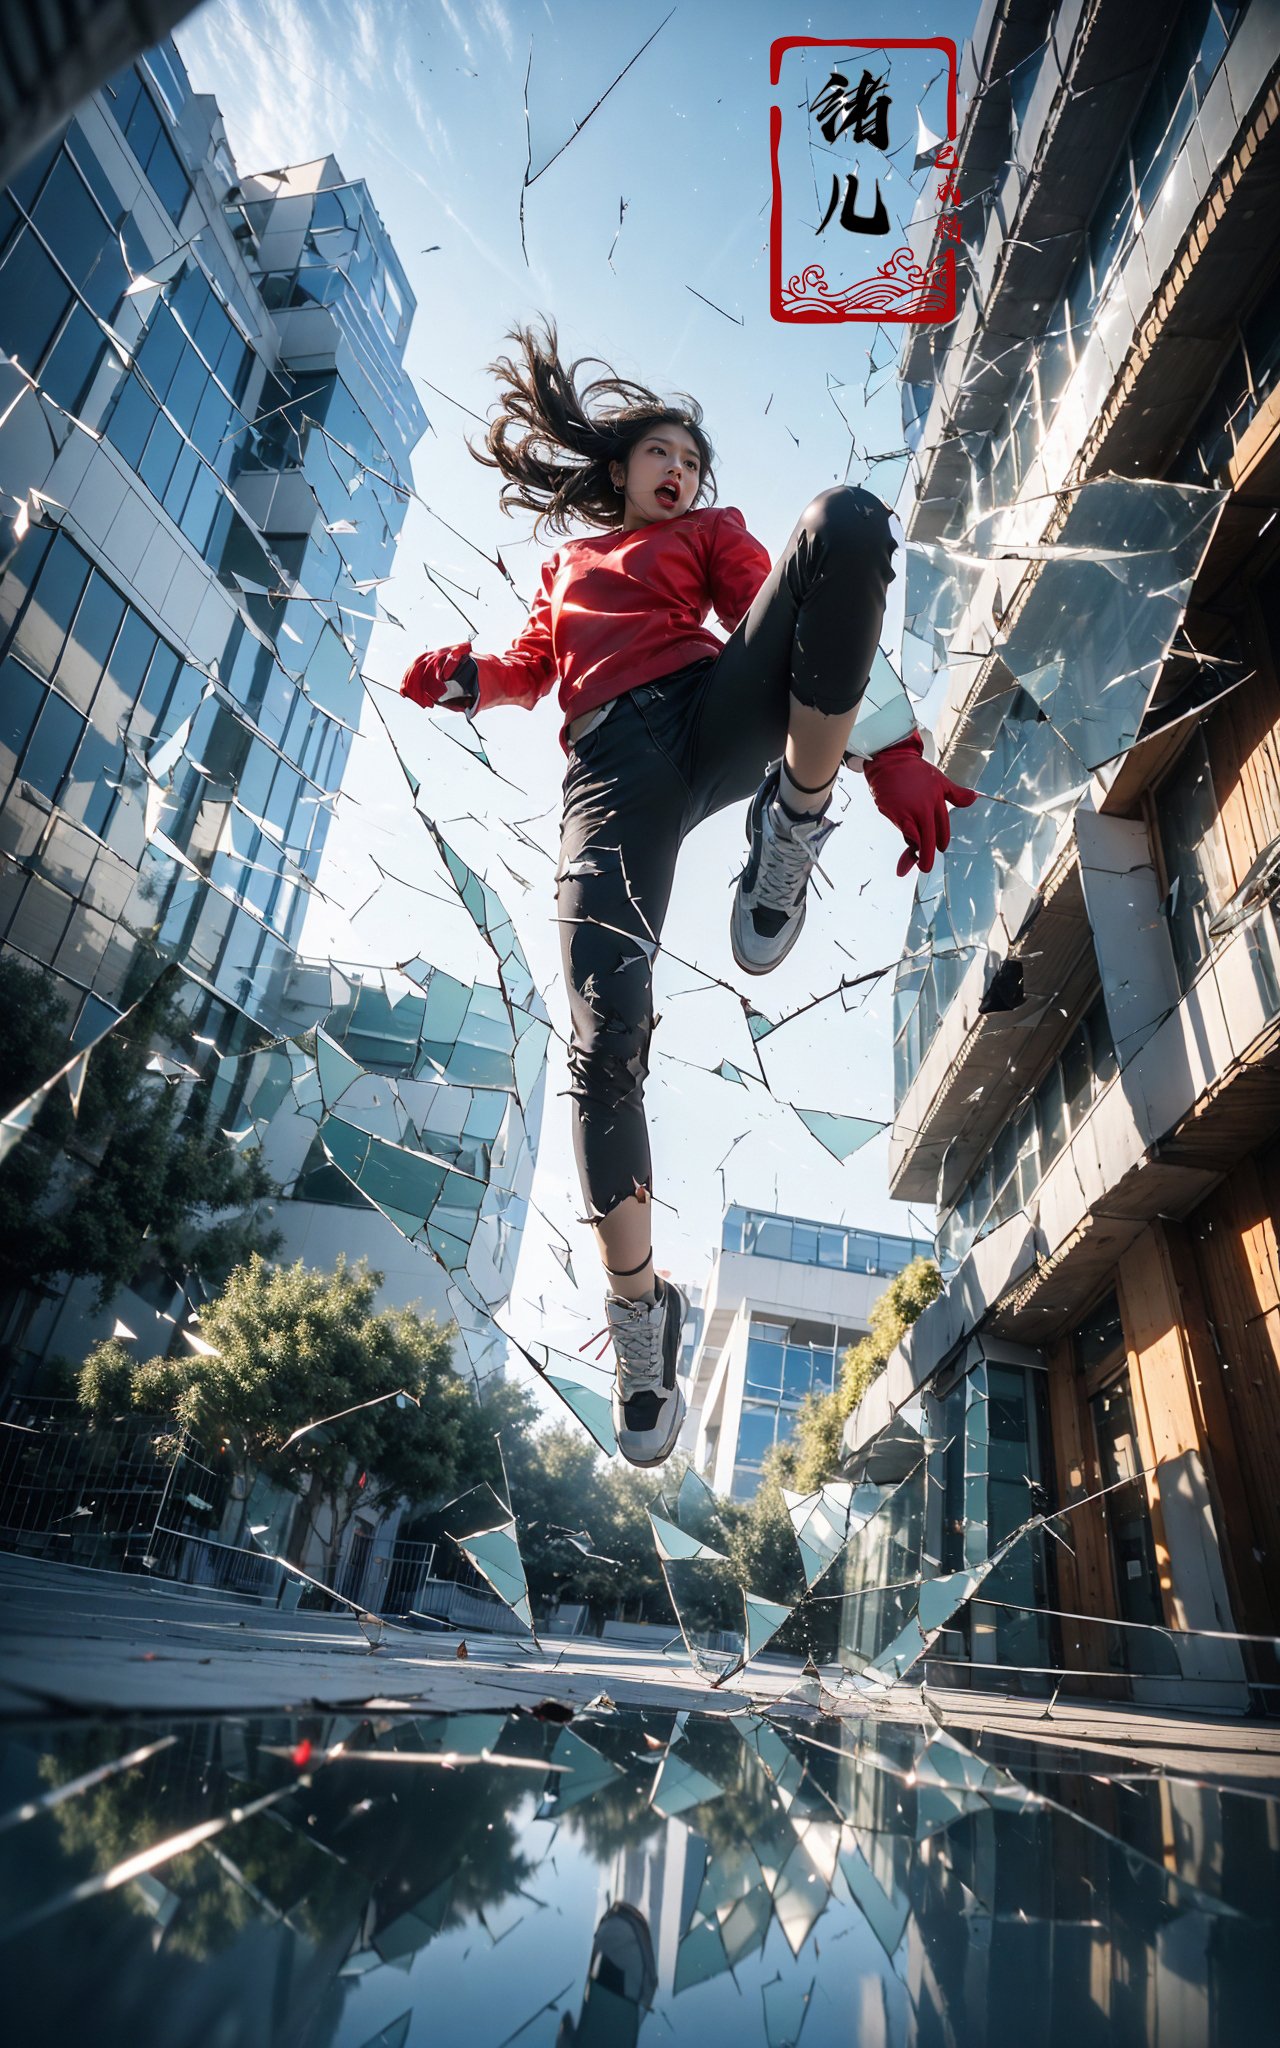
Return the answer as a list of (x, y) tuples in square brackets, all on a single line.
[(426, 102)]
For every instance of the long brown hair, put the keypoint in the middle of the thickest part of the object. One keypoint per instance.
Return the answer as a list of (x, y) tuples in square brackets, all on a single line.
[(554, 449)]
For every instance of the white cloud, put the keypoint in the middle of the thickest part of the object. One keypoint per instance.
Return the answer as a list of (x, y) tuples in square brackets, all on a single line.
[(268, 75), (369, 56), (498, 21), (280, 111), (460, 32)]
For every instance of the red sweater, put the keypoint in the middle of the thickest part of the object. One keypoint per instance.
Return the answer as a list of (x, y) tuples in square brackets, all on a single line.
[(616, 610)]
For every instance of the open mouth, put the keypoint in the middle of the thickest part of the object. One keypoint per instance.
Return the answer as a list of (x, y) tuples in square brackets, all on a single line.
[(669, 494)]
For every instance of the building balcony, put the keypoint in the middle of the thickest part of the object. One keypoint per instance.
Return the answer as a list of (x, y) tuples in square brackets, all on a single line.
[(1204, 1084), (1073, 102), (784, 1299), (953, 1100), (741, 1281)]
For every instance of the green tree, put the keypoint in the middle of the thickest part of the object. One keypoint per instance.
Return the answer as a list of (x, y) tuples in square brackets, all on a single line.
[(288, 1348), (813, 1454), (761, 1541), (277, 1864), (625, 1533), (141, 1174), (500, 1411), (620, 1815), (563, 1488), (449, 1842), (762, 1547)]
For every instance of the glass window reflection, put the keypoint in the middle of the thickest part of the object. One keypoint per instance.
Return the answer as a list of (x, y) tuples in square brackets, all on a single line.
[(73, 360), (1077, 1076), (764, 1366), (89, 643), (755, 1432), (52, 606), (21, 696), (797, 1372), (130, 421), (793, 1238), (33, 302), (1194, 858), (53, 742)]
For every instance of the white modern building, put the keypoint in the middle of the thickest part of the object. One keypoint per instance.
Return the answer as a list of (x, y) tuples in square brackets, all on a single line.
[(784, 1299)]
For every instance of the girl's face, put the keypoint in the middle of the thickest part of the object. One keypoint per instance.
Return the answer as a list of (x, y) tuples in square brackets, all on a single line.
[(661, 477)]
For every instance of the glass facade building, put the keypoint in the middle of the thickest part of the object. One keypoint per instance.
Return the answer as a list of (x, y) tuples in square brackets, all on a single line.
[(1057, 371), (787, 1297), (788, 1360), (785, 1363), (205, 436), (849, 1250), (185, 601)]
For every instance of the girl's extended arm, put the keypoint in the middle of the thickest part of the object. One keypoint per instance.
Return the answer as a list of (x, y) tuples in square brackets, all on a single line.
[(522, 675)]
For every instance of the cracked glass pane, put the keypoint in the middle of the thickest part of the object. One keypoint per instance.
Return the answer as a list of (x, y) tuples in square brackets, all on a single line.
[(1105, 598), (830, 1793), (695, 1857), (484, 1530)]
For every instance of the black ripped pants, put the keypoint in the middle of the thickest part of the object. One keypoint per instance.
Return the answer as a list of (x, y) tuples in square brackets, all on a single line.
[(670, 754)]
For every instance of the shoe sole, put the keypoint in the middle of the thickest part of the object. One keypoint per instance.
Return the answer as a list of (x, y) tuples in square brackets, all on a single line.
[(660, 1458), (755, 966)]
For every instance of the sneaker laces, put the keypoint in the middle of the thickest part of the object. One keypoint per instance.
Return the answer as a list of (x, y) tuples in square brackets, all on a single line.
[(786, 863), (637, 1343)]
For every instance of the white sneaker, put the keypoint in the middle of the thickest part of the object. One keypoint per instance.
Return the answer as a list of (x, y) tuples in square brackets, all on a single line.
[(769, 903), (648, 1405)]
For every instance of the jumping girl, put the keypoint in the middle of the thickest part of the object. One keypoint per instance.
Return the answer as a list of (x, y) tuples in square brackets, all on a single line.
[(664, 725)]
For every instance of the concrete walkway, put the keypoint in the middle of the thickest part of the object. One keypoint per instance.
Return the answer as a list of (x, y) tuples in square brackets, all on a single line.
[(84, 1641), (71, 1638)]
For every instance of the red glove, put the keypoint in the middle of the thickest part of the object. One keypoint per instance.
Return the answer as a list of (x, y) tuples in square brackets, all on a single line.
[(913, 795), (425, 679)]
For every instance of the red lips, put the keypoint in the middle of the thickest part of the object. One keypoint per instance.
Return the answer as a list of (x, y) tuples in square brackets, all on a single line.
[(669, 492)]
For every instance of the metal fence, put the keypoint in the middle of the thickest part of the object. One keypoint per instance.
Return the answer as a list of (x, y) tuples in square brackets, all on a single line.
[(184, 1559), (99, 1493), (412, 1565), (431, 1579), (135, 1494)]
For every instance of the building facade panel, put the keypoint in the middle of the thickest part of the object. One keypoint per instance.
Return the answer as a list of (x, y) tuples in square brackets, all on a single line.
[(1232, 1242)]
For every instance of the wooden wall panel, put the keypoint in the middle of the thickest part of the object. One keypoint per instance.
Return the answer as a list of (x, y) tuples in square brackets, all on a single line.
[(1268, 1165), (1243, 738), (1234, 1239), (1085, 1584), (1162, 1421), (1249, 1598), (1189, 1542)]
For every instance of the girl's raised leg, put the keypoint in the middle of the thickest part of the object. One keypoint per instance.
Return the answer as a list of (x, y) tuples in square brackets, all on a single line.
[(791, 676), (780, 703), (625, 804)]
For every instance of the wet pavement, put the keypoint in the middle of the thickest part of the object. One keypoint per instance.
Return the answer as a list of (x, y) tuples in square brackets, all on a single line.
[(775, 1873)]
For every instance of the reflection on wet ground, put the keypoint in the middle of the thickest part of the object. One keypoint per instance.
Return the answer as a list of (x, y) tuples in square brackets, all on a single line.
[(598, 1878)]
